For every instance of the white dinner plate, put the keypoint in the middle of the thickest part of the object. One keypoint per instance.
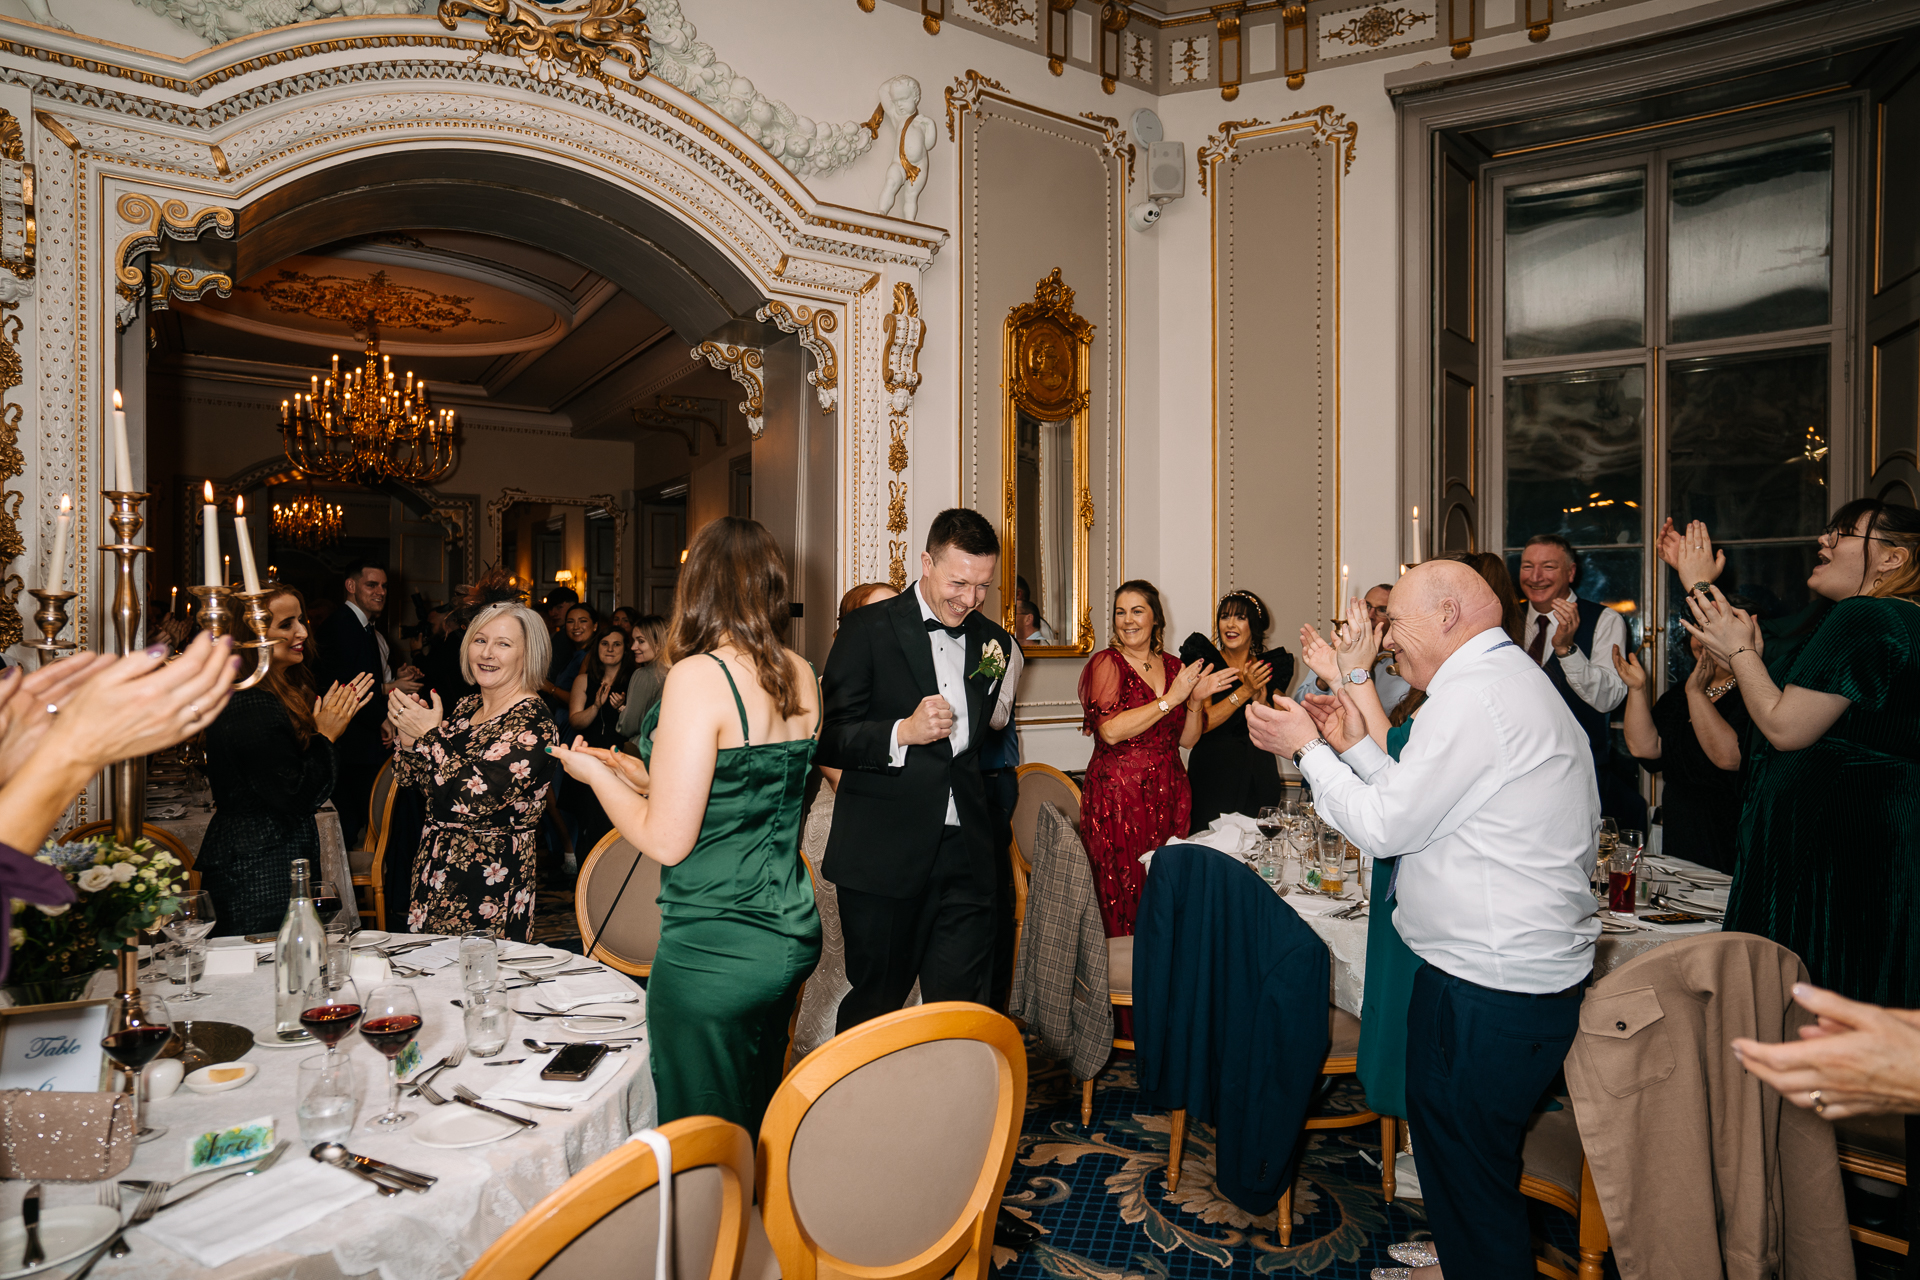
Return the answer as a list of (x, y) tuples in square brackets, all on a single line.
[(370, 938), (65, 1234), (458, 1126), (537, 959), (268, 1038), (632, 1014)]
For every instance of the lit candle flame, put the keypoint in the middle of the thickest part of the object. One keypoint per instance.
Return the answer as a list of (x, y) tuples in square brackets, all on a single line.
[(66, 503), (116, 398), (207, 489)]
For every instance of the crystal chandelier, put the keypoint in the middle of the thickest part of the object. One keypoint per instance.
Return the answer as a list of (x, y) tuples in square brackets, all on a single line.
[(308, 522), (366, 426)]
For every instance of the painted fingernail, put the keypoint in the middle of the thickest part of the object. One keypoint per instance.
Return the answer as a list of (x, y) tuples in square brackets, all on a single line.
[(235, 664), (156, 651)]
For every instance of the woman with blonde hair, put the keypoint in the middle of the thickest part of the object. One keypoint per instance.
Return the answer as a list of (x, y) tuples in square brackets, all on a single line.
[(270, 763), (486, 772), (728, 752)]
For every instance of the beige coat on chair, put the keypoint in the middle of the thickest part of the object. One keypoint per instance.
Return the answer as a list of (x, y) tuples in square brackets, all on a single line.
[(1702, 1171)]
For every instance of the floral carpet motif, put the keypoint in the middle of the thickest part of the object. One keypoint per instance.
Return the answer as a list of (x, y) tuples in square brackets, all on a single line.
[(1099, 1195)]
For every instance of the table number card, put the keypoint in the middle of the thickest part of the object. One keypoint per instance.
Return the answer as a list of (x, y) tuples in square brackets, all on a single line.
[(220, 1147), (54, 1047)]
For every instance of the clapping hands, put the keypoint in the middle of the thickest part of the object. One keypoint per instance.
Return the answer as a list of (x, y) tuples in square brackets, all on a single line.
[(413, 717), (1199, 683), (585, 764), (334, 710), (1691, 554), (1719, 626)]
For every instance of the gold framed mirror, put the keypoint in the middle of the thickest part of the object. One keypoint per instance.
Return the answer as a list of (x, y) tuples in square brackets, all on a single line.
[(1049, 512)]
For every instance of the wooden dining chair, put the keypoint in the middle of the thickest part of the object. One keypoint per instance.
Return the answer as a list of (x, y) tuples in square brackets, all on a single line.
[(368, 867), (1554, 1171), (884, 1152), (605, 1220), (161, 837), (627, 936), (1039, 784), (1343, 1059), (1875, 1147)]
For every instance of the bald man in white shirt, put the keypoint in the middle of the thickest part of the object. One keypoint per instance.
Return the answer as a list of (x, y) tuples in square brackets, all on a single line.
[(1492, 809)]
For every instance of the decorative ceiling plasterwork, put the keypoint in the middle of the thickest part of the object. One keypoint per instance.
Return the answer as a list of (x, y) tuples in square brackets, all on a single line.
[(550, 41), (813, 325), (369, 306)]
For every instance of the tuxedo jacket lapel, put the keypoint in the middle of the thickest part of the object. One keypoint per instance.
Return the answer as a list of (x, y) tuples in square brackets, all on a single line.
[(976, 686), (914, 644)]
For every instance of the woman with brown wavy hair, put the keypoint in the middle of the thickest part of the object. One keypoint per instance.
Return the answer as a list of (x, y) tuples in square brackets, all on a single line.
[(270, 762), (717, 804)]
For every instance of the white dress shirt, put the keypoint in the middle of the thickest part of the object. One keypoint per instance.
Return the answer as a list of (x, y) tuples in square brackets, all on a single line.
[(1591, 675), (1493, 802), (950, 673), (386, 665)]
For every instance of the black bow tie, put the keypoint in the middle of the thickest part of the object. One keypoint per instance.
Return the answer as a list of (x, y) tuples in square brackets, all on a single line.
[(934, 624)]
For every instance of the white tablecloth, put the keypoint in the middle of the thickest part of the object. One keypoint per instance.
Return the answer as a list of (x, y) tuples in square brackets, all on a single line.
[(436, 1236), (1347, 939)]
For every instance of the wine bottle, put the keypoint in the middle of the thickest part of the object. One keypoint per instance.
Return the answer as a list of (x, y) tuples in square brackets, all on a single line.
[(298, 955)]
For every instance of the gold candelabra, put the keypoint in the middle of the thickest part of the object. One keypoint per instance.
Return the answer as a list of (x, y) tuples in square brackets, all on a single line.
[(216, 619), (52, 617), (129, 777)]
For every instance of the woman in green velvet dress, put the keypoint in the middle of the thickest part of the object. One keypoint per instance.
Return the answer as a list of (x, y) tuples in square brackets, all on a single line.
[(718, 803), (1829, 855)]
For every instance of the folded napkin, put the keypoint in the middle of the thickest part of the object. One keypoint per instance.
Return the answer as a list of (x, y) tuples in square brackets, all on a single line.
[(437, 955), (1232, 833), (1313, 904), (371, 970), (234, 960), (248, 1214), (605, 987), (523, 1083)]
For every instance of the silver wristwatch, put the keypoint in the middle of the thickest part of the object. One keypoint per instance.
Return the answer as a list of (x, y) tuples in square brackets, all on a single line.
[(1359, 675), (1310, 745)]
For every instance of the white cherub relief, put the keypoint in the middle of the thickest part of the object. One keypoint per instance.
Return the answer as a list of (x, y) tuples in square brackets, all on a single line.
[(907, 175)]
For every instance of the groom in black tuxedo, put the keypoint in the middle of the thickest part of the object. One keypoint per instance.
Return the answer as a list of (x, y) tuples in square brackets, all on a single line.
[(910, 688)]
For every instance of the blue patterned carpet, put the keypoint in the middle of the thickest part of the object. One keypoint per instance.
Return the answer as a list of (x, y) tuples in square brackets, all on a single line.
[(1100, 1197)]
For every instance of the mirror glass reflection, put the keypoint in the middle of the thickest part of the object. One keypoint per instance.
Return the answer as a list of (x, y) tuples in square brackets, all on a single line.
[(1043, 541)]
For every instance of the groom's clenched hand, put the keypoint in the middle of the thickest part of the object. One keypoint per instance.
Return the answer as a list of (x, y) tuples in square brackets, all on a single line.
[(931, 721)]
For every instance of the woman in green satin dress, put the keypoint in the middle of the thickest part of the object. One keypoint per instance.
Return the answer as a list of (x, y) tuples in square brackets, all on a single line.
[(718, 803), (1829, 853)]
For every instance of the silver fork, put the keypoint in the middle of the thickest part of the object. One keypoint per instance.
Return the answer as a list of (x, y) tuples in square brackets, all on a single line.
[(149, 1203), (471, 1096)]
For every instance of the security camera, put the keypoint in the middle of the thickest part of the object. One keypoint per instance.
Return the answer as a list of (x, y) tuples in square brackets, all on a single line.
[(1143, 215)]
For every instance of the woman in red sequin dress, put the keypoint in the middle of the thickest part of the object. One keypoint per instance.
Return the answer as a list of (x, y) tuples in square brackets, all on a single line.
[(1141, 707)]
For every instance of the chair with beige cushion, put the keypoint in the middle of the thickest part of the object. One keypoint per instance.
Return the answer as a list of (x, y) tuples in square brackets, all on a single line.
[(628, 935), (1876, 1147), (368, 866), (605, 1220), (884, 1152), (1039, 784), (1554, 1171)]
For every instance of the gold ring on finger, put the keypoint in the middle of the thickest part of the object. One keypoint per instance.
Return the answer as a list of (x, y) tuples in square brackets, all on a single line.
[(1819, 1104)]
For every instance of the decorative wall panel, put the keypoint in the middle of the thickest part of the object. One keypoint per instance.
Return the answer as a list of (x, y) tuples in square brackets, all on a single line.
[(1017, 159), (1277, 358)]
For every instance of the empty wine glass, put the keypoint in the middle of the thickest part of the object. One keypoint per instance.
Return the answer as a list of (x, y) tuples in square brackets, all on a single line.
[(391, 1019), (191, 922), (137, 1030)]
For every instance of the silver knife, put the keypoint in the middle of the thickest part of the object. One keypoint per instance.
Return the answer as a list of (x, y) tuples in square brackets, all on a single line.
[(522, 1121), (30, 1214)]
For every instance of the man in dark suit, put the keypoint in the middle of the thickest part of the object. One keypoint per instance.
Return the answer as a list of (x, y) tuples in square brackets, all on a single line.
[(911, 688), (350, 643)]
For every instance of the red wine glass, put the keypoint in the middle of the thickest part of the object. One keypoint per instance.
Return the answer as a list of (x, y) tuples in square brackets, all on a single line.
[(137, 1031), (390, 1019), (330, 1010)]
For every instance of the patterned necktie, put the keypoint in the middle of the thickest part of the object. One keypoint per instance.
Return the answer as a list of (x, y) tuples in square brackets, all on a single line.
[(1538, 649)]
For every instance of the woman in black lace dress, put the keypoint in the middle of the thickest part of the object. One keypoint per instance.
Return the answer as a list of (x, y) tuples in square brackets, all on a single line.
[(485, 769), (270, 762)]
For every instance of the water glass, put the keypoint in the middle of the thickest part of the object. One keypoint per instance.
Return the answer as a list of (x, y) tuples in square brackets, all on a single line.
[(182, 956), (1364, 875), (479, 961), (1333, 861), (1601, 865), (328, 1094), (489, 1018)]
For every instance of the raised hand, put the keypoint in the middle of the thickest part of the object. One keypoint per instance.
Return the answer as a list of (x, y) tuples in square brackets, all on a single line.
[(1321, 658), (1566, 618), (1359, 640), (1630, 670), (413, 718), (334, 710), (582, 763), (1255, 675), (1210, 683), (931, 721), (1719, 626), (1338, 718), (1691, 554)]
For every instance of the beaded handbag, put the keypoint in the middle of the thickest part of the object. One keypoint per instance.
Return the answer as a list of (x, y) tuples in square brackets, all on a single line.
[(65, 1137)]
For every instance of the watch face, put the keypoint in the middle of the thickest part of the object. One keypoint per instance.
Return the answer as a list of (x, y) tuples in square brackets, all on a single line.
[(1358, 675)]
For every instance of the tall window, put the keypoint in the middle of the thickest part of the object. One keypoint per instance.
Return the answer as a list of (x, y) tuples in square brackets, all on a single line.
[(1670, 340)]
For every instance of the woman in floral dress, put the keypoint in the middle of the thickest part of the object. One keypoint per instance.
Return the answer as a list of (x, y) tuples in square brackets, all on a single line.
[(485, 771)]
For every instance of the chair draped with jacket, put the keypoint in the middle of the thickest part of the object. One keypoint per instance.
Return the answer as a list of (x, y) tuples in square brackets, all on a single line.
[(1060, 979), (1230, 1014)]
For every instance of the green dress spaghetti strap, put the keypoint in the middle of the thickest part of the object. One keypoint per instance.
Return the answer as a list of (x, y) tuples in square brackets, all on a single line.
[(1829, 856), (738, 934), (1391, 965)]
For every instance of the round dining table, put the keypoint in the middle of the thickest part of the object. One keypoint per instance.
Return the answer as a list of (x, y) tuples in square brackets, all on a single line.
[(301, 1220)]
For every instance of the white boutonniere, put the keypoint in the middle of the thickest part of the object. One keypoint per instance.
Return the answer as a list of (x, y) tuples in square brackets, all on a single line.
[(993, 661)]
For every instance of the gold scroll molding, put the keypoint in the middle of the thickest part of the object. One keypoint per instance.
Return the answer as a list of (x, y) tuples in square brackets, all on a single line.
[(814, 325), (1329, 127), (18, 226), (743, 364), (580, 38), (906, 334), (1046, 346), (498, 507), (1113, 141), (156, 224), (963, 95)]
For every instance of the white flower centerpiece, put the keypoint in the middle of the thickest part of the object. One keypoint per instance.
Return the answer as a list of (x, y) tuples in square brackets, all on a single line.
[(120, 892)]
